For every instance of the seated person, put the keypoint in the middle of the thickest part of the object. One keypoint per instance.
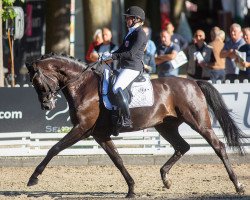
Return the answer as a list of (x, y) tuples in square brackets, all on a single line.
[(106, 46), (97, 40)]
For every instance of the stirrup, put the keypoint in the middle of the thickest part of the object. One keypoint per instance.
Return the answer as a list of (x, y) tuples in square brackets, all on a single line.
[(116, 123), (115, 131), (123, 122), (126, 122), (116, 128)]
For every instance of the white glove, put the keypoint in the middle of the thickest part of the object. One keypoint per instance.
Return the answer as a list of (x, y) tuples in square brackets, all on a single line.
[(106, 56)]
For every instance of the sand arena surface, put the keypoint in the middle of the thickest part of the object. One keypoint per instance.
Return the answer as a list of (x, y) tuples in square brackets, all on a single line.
[(189, 181)]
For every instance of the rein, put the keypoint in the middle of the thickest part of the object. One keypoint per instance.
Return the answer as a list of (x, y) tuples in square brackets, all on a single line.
[(54, 92), (76, 78)]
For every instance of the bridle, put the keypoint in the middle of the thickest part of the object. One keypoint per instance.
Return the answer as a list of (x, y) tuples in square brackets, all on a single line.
[(50, 93)]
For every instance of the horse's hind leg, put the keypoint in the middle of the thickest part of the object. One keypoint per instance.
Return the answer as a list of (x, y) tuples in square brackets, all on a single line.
[(220, 150), (108, 145), (169, 131), (68, 140), (202, 124)]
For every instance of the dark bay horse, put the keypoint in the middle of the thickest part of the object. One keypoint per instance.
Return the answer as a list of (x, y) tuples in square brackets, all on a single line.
[(177, 100)]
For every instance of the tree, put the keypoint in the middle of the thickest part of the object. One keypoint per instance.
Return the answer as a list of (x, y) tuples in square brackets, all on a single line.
[(1, 51), (4, 15), (176, 7), (97, 14), (58, 26)]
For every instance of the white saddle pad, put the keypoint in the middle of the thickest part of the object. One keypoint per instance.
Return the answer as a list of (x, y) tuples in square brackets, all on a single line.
[(142, 95)]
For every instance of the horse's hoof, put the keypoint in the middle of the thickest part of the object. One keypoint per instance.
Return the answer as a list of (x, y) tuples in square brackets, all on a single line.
[(130, 195), (167, 183), (240, 189), (32, 181)]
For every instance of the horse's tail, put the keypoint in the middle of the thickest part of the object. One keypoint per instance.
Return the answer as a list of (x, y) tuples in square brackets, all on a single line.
[(231, 131)]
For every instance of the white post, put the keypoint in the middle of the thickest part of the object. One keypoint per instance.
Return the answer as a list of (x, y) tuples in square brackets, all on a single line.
[(72, 28), (1, 51)]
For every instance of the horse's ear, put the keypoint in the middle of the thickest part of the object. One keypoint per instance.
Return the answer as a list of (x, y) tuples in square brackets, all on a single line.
[(29, 66)]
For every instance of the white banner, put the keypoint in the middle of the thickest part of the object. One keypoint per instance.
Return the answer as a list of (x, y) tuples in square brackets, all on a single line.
[(237, 99)]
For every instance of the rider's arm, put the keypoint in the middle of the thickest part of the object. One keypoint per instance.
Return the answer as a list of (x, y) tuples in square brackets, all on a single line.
[(138, 42)]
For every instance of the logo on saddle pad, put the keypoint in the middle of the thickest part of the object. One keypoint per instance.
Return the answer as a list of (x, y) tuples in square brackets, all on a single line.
[(142, 95)]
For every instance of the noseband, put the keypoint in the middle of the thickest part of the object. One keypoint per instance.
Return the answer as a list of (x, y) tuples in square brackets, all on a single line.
[(49, 90)]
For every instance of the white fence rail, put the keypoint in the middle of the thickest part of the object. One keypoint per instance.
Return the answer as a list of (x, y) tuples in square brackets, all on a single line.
[(141, 142)]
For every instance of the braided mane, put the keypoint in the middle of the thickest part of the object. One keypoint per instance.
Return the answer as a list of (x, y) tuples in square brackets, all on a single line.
[(63, 57), (77, 64)]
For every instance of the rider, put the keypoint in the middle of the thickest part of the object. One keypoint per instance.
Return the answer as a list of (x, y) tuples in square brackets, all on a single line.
[(129, 56)]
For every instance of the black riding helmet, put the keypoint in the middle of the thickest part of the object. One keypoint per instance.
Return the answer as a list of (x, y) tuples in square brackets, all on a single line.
[(135, 11)]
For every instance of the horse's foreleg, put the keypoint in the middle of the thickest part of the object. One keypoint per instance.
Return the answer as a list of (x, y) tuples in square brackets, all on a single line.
[(171, 134), (68, 140), (220, 150), (108, 145)]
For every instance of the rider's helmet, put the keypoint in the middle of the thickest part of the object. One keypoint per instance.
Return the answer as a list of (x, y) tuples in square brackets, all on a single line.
[(136, 12)]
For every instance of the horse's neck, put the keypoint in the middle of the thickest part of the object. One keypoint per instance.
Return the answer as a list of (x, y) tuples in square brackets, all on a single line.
[(77, 82), (74, 80), (67, 74)]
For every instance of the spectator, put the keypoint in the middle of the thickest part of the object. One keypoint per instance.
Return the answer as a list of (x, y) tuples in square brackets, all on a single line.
[(199, 55), (176, 38), (214, 32), (228, 51), (97, 39), (106, 46), (218, 67), (166, 52), (151, 48), (245, 48), (149, 61)]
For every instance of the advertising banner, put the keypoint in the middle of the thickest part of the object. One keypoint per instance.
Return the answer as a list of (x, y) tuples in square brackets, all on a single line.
[(237, 99), (20, 111)]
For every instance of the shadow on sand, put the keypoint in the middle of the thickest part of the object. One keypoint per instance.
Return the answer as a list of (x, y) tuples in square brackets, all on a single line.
[(112, 195)]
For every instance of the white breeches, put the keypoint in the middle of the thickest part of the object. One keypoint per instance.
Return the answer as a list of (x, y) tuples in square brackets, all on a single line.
[(125, 77)]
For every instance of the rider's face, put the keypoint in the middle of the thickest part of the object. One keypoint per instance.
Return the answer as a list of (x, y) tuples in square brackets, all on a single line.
[(129, 21)]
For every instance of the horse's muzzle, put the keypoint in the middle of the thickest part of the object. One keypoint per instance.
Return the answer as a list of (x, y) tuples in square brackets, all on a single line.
[(48, 105)]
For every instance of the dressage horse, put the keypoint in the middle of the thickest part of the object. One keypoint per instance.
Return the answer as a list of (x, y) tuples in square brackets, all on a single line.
[(176, 101)]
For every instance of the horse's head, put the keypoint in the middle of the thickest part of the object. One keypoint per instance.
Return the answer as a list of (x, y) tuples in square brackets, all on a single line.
[(45, 83)]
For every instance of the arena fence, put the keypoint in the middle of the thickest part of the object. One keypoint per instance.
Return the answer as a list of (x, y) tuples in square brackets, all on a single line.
[(147, 142), (35, 142)]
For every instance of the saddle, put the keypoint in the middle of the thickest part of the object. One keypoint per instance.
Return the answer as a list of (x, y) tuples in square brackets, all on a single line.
[(127, 91), (139, 93)]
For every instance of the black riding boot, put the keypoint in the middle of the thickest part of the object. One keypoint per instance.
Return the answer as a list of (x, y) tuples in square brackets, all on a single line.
[(124, 120), (123, 104)]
